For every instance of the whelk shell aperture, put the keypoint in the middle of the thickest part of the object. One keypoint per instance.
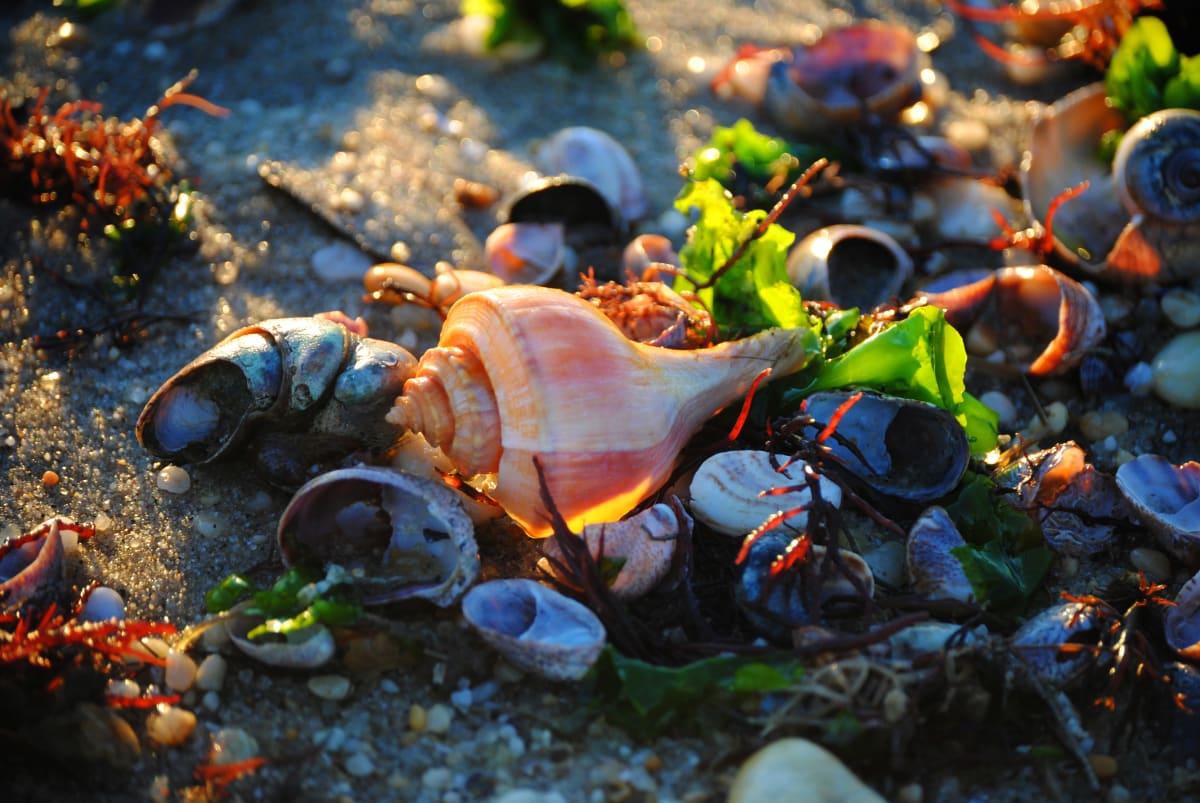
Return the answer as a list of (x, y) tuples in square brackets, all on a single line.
[(401, 536), (535, 627)]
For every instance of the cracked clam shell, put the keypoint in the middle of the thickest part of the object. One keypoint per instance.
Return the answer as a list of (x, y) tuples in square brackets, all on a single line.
[(535, 627), (400, 535), (729, 491), (643, 543), (1167, 500)]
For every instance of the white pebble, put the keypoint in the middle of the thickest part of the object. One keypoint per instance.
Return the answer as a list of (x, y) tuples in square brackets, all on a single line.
[(102, 605), (211, 701), (173, 479), (180, 671), (170, 725), (438, 718), (125, 689), (1139, 380), (210, 675), (436, 778), (1177, 373), (1182, 307), (329, 687), (359, 765), (461, 699), (233, 746), (388, 685), (340, 262), (1005, 409), (155, 51)]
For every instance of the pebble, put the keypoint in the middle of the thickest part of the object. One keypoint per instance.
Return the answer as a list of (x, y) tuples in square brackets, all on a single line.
[(1097, 425), (437, 778), (340, 262), (102, 605), (798, 771), (1139, 379), (1155, 564), (910, 793), (1177, 373), (439, 718), (125, 689), (1181, 307), (173, 479), (1056, 422), (180, 671), (1004, 407), (339, 69), (170, 725), (531, 796), (329, 687), (359, 765), (233, 746), (418, 718), (50, 479), (1105, 766)]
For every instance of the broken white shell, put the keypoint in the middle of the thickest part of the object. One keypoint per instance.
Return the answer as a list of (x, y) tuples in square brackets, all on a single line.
[(535, 627), (307, 648), (644, 544), (1167, 500), (932, 569), (730, 491)]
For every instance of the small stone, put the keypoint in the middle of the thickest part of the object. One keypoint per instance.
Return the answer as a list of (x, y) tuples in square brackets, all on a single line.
[(418, 718), (102, 605), (180, 671), (339, 69), (233, 746), (125, 689), (50, 479), (173, 479), (1169, 436), (1177, 372), (795, 770), (340, 262), (1182, 307), (439, 718), (910, 793), (359, 765), (1005, 409), (1105, 766), (437, 778), (170, 725), (329, 687), (1156, 565), (210, 675), (1056, 422), (1139, 379), (1097, 425)]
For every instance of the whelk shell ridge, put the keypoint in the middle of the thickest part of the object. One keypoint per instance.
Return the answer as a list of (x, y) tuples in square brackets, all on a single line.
[(525, 372)]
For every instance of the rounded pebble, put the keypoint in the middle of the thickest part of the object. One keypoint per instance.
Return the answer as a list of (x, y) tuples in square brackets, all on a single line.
[(50, 479), (329, 687), (1182, 307), (340, 262), (798, 771), (210, 675), (102, 605), (170, 725), (1177, 373), (180, 672), (418, 718), (359, 765), (1105, 766), (1155, 564), (439, 718), (1006, 411), (1097, 425), (1139, 379), (173, 479), (233, 746)]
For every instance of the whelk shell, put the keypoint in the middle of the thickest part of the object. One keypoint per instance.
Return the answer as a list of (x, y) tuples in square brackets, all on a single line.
[(902, 448), (1167, 500), (1042, 321), (308, 383), (729, 491), (400, 536), (525, 372), (851, 265), (1138, 221), (536, 628)]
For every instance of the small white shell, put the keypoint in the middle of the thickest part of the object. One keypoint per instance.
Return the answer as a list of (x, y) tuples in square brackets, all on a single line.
[(1167, 500), (535, 627), (728, 491), (932, 569), (592, 154), (645, 542), (303, 649)]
